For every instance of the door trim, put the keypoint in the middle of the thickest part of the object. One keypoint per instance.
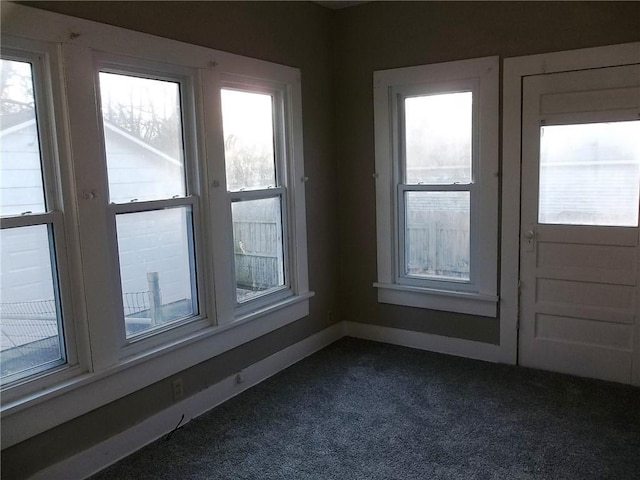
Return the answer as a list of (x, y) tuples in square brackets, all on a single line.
[(514, 71)]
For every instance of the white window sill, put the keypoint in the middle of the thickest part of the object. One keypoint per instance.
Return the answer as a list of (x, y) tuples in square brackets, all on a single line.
[(447, 300), (35, 413)]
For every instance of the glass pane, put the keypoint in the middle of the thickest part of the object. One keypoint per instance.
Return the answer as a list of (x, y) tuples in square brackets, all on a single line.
[(248, 140), (156, 268), (438, 138), (590, 174), (437, 235), (30, 319), (21, 188), (143, 137), (257, 237)]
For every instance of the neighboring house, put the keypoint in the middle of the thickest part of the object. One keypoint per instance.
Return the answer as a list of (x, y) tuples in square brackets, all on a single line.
[(27, 302)]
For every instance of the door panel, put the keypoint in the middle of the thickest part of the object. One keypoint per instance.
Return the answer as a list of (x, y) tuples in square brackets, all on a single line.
[(579, 231)]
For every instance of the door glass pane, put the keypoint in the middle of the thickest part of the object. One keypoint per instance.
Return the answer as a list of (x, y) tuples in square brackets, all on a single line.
[(257, 237), (30, 323), (156, 268), (143, 137), (437, 235), (21, 188), (248, 140), (590, 174), (438, 136)]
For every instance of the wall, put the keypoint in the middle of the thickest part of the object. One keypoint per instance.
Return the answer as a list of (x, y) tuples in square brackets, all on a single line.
[(279, 32), (383, 35)]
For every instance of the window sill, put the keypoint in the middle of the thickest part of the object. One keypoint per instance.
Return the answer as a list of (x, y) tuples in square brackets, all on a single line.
[(447, 300), (35, 413)]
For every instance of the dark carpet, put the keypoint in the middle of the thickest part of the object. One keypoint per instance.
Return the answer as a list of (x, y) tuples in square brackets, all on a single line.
[(366, 410)]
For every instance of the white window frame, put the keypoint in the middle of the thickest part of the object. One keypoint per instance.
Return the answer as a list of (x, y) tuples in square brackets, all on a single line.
[(478, 296), (105, 366), (282, 147)]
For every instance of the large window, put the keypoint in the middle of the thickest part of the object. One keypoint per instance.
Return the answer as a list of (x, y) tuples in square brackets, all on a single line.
[(142, 122), (255, 163), (31, 236), (153, 211), (437, 183)]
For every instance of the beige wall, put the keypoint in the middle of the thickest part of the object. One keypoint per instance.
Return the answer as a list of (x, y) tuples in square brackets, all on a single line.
[(337, 53), (382, 35)]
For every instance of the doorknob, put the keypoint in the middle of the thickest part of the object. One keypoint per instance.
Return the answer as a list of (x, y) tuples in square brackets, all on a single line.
[(529, 234)]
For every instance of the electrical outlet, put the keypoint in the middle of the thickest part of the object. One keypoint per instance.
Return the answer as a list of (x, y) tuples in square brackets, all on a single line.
[(178, 389), (240, 377)]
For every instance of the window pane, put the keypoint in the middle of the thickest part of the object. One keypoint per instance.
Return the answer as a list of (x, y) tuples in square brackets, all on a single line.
[(590, 174), (156, 268), (30, 319), (438, 138), (143, 137), (257, 237), (437, 235), (248, 140), (21, 188)]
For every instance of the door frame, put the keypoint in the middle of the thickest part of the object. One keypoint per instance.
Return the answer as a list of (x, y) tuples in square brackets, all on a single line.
[(514, 71)]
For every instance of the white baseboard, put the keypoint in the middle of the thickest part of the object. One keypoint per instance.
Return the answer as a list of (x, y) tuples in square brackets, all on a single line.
[(424, 341), (98, 457)]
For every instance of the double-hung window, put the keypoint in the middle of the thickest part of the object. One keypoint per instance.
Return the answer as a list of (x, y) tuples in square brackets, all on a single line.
[(255, 161), (152, 202), (437, 184), (37, 334), (150, 185)]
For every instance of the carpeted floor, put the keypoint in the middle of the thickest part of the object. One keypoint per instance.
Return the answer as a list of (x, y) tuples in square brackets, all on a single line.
[(365, 410)]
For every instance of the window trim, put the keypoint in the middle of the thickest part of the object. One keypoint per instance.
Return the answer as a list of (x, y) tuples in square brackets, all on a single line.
[(103, 372), (479, 295)]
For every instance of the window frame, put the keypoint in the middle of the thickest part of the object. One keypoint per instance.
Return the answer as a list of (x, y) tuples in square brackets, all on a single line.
[(41, 57), (107, 368), (478, 296), (278, 94), (185, 78)]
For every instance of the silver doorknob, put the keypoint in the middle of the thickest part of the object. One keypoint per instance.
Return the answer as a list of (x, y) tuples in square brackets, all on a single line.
[(529, 234)]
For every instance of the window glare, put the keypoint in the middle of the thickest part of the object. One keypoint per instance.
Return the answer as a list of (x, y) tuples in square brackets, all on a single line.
[(438, 136), (21, 185), (248, 139)]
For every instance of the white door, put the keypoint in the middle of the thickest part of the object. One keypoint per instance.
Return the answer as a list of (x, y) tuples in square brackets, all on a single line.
[(579, 303)]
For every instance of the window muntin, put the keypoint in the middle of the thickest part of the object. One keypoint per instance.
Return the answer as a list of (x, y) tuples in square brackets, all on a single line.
[(434, 206), (143, 129), (31, 327), (254, 162), (590, 174)]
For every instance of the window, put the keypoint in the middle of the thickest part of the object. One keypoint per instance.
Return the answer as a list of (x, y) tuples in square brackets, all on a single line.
[(142, 123), (437, 185), (254, 157), (32, 236), (153, 212)]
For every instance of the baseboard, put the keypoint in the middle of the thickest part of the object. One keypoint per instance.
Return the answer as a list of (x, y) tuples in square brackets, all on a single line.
[(98, 457), (424, 341)]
